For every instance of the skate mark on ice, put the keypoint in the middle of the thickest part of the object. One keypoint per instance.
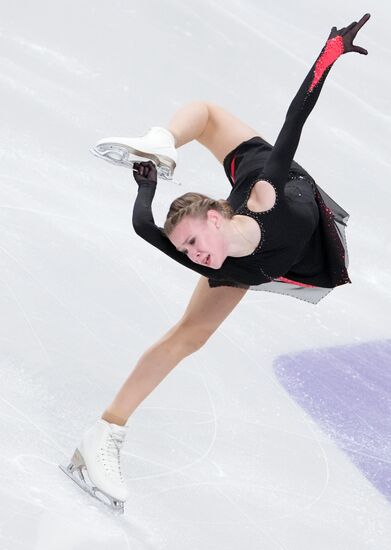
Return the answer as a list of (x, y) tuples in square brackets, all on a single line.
[(29, 421), (27, 319), (254, 522), (96, 229), (315, 437), (154, 294), (50, 57), (312, 500), (57, 299), (179, 469)]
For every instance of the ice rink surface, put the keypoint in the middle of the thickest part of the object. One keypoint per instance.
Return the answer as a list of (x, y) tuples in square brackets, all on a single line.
[(276, 434)]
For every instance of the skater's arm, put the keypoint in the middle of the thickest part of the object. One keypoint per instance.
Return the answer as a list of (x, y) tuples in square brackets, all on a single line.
[(144, 223), (145, 227), (227, 275), (339, 42)]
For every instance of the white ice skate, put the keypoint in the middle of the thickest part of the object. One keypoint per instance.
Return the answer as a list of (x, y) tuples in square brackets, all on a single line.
[(95, 464), (158, 145)]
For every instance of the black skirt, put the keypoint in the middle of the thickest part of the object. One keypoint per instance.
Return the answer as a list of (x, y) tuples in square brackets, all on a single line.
[(246, 160)]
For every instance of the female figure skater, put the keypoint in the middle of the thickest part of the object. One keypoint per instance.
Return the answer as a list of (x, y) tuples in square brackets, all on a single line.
[(278, 230)]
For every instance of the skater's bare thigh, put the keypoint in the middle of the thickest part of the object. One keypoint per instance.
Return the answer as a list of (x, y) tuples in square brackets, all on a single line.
[(224, 132), (207, 309)]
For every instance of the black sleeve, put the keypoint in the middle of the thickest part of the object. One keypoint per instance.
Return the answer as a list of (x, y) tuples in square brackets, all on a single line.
[(278, 164), (145, 227)]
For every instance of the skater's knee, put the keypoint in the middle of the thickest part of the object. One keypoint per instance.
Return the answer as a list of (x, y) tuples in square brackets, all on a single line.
[(190, 336)]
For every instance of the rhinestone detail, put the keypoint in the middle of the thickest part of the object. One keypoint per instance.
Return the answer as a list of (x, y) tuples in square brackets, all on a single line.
[(247, 212)]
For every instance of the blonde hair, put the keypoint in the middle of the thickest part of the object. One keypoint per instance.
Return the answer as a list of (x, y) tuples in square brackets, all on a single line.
[(194, 205)]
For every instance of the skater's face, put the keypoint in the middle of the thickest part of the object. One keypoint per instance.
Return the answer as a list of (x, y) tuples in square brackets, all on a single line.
[(199, 238)]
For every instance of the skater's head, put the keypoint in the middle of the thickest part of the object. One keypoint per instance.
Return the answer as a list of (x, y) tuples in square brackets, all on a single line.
[(196, 226)]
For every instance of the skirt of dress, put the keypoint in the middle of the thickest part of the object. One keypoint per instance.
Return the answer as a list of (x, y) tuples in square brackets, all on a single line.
[(248, 157)]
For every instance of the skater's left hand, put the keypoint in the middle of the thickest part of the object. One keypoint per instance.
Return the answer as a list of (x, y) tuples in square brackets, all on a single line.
[(349, 34), (145, 172)]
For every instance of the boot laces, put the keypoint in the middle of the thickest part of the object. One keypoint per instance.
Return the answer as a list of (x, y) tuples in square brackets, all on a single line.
[(111, 455)]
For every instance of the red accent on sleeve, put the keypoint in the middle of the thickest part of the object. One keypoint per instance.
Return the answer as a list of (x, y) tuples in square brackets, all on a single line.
[(334, 48)]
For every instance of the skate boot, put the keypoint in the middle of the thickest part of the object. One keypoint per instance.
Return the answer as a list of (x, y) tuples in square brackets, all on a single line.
[(158, 145), (95, 465)]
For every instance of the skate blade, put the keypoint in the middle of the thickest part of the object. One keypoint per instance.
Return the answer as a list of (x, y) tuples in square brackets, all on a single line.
[(74, 471), (121, 156)]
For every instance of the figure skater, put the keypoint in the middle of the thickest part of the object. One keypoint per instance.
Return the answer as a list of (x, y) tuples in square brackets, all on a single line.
[(277, 231)]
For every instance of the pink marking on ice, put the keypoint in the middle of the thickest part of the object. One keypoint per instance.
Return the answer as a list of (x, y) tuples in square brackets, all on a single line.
[(285, 280), (334, 48)]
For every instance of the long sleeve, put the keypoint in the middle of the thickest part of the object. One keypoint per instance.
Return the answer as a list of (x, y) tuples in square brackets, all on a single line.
[(145, 227), (231, 273), (278, 165)]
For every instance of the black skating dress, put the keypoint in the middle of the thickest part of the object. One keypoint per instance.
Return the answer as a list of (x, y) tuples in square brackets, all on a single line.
[(302, 251)]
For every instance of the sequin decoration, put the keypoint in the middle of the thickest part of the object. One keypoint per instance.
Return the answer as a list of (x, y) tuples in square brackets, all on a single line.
[(337, 268), (247, 212), (260, 178), (333, 49)]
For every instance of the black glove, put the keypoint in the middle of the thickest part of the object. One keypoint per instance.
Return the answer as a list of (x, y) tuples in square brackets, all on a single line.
[(145, 172), (348, 34)]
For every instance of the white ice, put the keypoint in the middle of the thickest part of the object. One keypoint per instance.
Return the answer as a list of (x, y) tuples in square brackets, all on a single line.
[(219, 455)]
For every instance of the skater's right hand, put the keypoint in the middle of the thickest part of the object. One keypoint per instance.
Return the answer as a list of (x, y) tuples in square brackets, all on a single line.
[(145, 172)]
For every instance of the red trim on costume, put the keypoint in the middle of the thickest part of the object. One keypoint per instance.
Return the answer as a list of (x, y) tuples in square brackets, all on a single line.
[(334, 48), (285, 280), (233, 170)]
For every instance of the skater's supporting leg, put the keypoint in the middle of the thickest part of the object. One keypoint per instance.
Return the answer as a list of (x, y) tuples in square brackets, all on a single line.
[(207, 309), (154, 365)]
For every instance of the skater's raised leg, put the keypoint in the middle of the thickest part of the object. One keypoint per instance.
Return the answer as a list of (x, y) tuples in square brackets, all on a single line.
[(159, 144), (211, 125), (189, 122)]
